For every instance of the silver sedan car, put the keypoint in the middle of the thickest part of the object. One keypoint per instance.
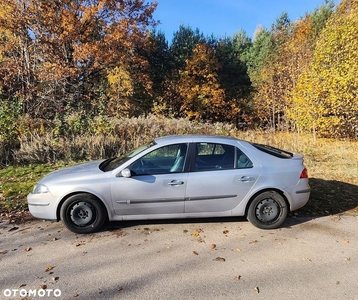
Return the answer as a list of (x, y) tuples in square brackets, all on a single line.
[(189, 176)]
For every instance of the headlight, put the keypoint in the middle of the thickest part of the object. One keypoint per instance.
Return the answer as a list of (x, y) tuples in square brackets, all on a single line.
[(40, 189)]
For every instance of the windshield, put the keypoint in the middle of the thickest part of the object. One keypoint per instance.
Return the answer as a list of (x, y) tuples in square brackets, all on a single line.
[(112, 163)]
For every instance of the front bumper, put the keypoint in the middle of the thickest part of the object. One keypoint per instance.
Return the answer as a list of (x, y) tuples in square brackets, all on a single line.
[(43, 206)]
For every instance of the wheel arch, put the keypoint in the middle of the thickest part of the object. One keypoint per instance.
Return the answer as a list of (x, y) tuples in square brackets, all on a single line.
[(263, 191), (59, 206)]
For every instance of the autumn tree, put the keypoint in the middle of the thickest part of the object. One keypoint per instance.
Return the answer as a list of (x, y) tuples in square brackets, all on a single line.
[(17, 62), (326, 97), (65, 49), (260, 59), (180, 51), (199, 88), (276, 60), (298, 54)]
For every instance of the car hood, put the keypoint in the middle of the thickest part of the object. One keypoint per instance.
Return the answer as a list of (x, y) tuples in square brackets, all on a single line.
[(88, 168)]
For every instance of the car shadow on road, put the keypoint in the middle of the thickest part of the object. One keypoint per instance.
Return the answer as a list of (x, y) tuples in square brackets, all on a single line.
[(328, 197), (116, 225), (126, 224)]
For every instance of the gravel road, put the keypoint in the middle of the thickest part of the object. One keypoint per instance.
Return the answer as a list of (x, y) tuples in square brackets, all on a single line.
[(308, 258)]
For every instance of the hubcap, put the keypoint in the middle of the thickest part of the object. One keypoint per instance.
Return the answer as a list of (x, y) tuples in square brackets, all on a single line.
[(267, 210), (82, 213)]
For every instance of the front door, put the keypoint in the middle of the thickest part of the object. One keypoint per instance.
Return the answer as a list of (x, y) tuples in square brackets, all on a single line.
[(157, 185)]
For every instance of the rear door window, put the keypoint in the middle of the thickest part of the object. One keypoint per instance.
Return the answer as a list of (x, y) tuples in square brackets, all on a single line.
[(213, 157)]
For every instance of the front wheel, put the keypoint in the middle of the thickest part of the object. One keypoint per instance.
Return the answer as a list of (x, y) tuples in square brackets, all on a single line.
[(268, 210), (83, 213)]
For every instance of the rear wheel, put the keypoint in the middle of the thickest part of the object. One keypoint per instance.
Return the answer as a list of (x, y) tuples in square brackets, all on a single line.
[(268, 210), (83, 213)]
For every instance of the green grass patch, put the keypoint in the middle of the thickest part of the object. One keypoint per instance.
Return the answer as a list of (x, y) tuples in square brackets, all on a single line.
[(17, 181)]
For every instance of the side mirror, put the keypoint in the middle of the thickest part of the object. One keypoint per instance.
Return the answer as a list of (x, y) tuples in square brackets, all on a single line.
[(126, 173)]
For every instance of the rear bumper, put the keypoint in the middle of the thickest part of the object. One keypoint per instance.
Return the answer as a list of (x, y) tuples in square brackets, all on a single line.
[(300, 194)]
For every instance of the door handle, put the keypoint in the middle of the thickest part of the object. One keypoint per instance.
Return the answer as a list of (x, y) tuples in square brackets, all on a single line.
[(246, 179), (176, 182)]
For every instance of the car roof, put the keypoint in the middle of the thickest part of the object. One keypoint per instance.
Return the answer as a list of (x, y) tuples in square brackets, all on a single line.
[(196, 138)]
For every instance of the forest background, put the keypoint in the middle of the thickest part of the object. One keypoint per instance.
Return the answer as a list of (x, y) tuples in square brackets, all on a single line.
[(88, 79), (76, 67)]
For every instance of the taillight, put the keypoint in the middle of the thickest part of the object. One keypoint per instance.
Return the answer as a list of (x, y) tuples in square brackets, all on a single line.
[(304, 173)]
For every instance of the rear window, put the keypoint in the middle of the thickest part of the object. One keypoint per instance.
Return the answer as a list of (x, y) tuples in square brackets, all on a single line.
[(273, 151)]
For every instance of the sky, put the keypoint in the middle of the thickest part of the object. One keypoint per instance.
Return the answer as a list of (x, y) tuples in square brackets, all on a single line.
[(225, 17)]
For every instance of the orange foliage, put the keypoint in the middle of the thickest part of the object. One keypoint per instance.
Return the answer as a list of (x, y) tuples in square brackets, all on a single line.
[(62, 49)]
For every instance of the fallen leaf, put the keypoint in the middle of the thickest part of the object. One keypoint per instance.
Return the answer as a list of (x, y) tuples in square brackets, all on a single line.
[(199, 230), (253, 242), (225, 231), (195, 234), (200, 240), (43, 286), (49, 268), (347, 259), (28, 249), (22, 285), (219, 259), (75, 295), (196, 253), (120, 233), (307, 259), (257, 290), (238, 250), (345, 242), (4, 251), (185, 231), (212, 246)]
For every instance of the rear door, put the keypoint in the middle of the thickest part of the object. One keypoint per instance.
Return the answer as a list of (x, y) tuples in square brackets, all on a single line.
[(221, 178), (157, 184)]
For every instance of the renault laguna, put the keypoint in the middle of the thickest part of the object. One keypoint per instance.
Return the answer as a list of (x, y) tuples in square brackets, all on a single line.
[(188, 176)]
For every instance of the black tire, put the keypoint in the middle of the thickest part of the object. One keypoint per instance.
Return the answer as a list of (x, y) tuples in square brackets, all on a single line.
[(267, 210), (83, 213)]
